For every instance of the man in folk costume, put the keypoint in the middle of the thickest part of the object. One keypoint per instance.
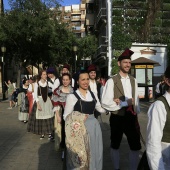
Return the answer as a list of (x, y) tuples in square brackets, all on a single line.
[(120, 97), (158, 130), (94, 86)]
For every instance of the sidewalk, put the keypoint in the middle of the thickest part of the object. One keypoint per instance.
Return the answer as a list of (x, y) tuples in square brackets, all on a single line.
[(20, 150)]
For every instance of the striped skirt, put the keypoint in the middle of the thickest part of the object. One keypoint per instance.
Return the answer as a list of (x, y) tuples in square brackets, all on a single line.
[(39, 126)]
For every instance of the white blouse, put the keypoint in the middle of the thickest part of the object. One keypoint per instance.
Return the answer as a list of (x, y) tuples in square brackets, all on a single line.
[(71, 101), (158, 152), (57, 84)]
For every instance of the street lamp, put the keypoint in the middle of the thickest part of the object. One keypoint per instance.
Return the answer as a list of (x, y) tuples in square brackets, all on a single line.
[(3, 50), (75, 50)]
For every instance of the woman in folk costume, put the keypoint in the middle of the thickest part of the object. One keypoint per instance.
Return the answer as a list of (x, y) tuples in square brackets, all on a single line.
[(23, 106), (58, 100), (42, 117), (83, 133), (30, 93)]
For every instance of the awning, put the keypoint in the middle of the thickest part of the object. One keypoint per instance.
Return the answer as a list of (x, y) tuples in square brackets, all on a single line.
[(143, 60)]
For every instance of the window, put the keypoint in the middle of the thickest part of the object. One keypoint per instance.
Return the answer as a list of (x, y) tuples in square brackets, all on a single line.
[(66, 17), (140, 76)]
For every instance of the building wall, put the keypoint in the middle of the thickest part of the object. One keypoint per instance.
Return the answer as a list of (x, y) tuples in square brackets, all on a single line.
[(160, 56)]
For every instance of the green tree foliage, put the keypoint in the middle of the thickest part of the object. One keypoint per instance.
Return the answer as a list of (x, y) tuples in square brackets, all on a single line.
[(32, 32), (140, 21), (87, 46), (115, 67)]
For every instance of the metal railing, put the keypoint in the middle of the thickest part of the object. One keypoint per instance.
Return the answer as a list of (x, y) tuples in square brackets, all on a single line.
[(101, 15)]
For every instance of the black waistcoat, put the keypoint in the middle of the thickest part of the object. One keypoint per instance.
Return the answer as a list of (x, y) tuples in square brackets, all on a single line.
[(86, 107), (43, 91)]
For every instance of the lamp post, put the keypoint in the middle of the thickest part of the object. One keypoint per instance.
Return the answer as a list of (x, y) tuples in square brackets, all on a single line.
[(3, 50), (75, 50)]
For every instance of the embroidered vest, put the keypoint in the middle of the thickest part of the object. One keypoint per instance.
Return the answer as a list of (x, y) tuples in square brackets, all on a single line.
[(166, 130), (119, 92)]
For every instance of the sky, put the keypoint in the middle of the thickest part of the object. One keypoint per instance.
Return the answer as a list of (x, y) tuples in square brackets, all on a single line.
[(63, 3)]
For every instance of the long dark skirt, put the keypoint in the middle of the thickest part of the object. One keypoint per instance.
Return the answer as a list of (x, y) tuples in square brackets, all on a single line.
[(39, 126)]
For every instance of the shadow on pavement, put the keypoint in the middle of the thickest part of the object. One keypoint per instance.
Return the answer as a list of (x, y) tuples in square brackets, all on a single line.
[(49, 159)]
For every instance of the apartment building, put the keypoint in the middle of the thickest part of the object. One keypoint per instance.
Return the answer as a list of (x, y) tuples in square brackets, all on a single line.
[(96, 23), (74, 15)]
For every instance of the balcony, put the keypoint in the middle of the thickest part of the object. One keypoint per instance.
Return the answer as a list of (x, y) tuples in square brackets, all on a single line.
[(75, 12), (83, 2), (101, 15), (101, 51), (76, 28), (89, 1), (89, 19), (76, 18), (82, 17), (83, 6)]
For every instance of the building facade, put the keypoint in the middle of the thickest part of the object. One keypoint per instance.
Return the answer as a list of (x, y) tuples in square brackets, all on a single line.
[(74, 16), (128, 17)]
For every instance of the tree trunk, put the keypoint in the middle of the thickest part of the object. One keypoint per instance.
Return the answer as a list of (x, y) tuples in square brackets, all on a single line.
[(153, 8)]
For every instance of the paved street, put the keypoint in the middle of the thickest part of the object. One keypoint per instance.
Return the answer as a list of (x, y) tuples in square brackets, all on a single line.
[(20, 150)]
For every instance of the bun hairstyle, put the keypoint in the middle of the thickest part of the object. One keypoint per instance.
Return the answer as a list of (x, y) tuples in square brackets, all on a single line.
[(66, 74), (24, 81)]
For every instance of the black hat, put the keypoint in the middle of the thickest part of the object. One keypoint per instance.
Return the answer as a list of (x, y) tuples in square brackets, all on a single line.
[(125, 55), (50, 70), (91, 67), (67, 67)]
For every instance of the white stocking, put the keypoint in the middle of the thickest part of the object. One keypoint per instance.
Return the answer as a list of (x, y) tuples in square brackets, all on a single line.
[(115, 157), (133, 159)]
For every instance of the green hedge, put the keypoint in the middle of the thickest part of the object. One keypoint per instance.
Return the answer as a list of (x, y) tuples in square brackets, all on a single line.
[(131, 13), (165, 1), (117, 12), (166, 6), (166, 23), (157, 22), (159, 14), (118, 4), (166, 15), (165, 30), (155, 30)]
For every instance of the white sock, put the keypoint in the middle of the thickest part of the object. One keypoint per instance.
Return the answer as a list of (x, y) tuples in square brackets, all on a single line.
[(133, 159), (115, 157)]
